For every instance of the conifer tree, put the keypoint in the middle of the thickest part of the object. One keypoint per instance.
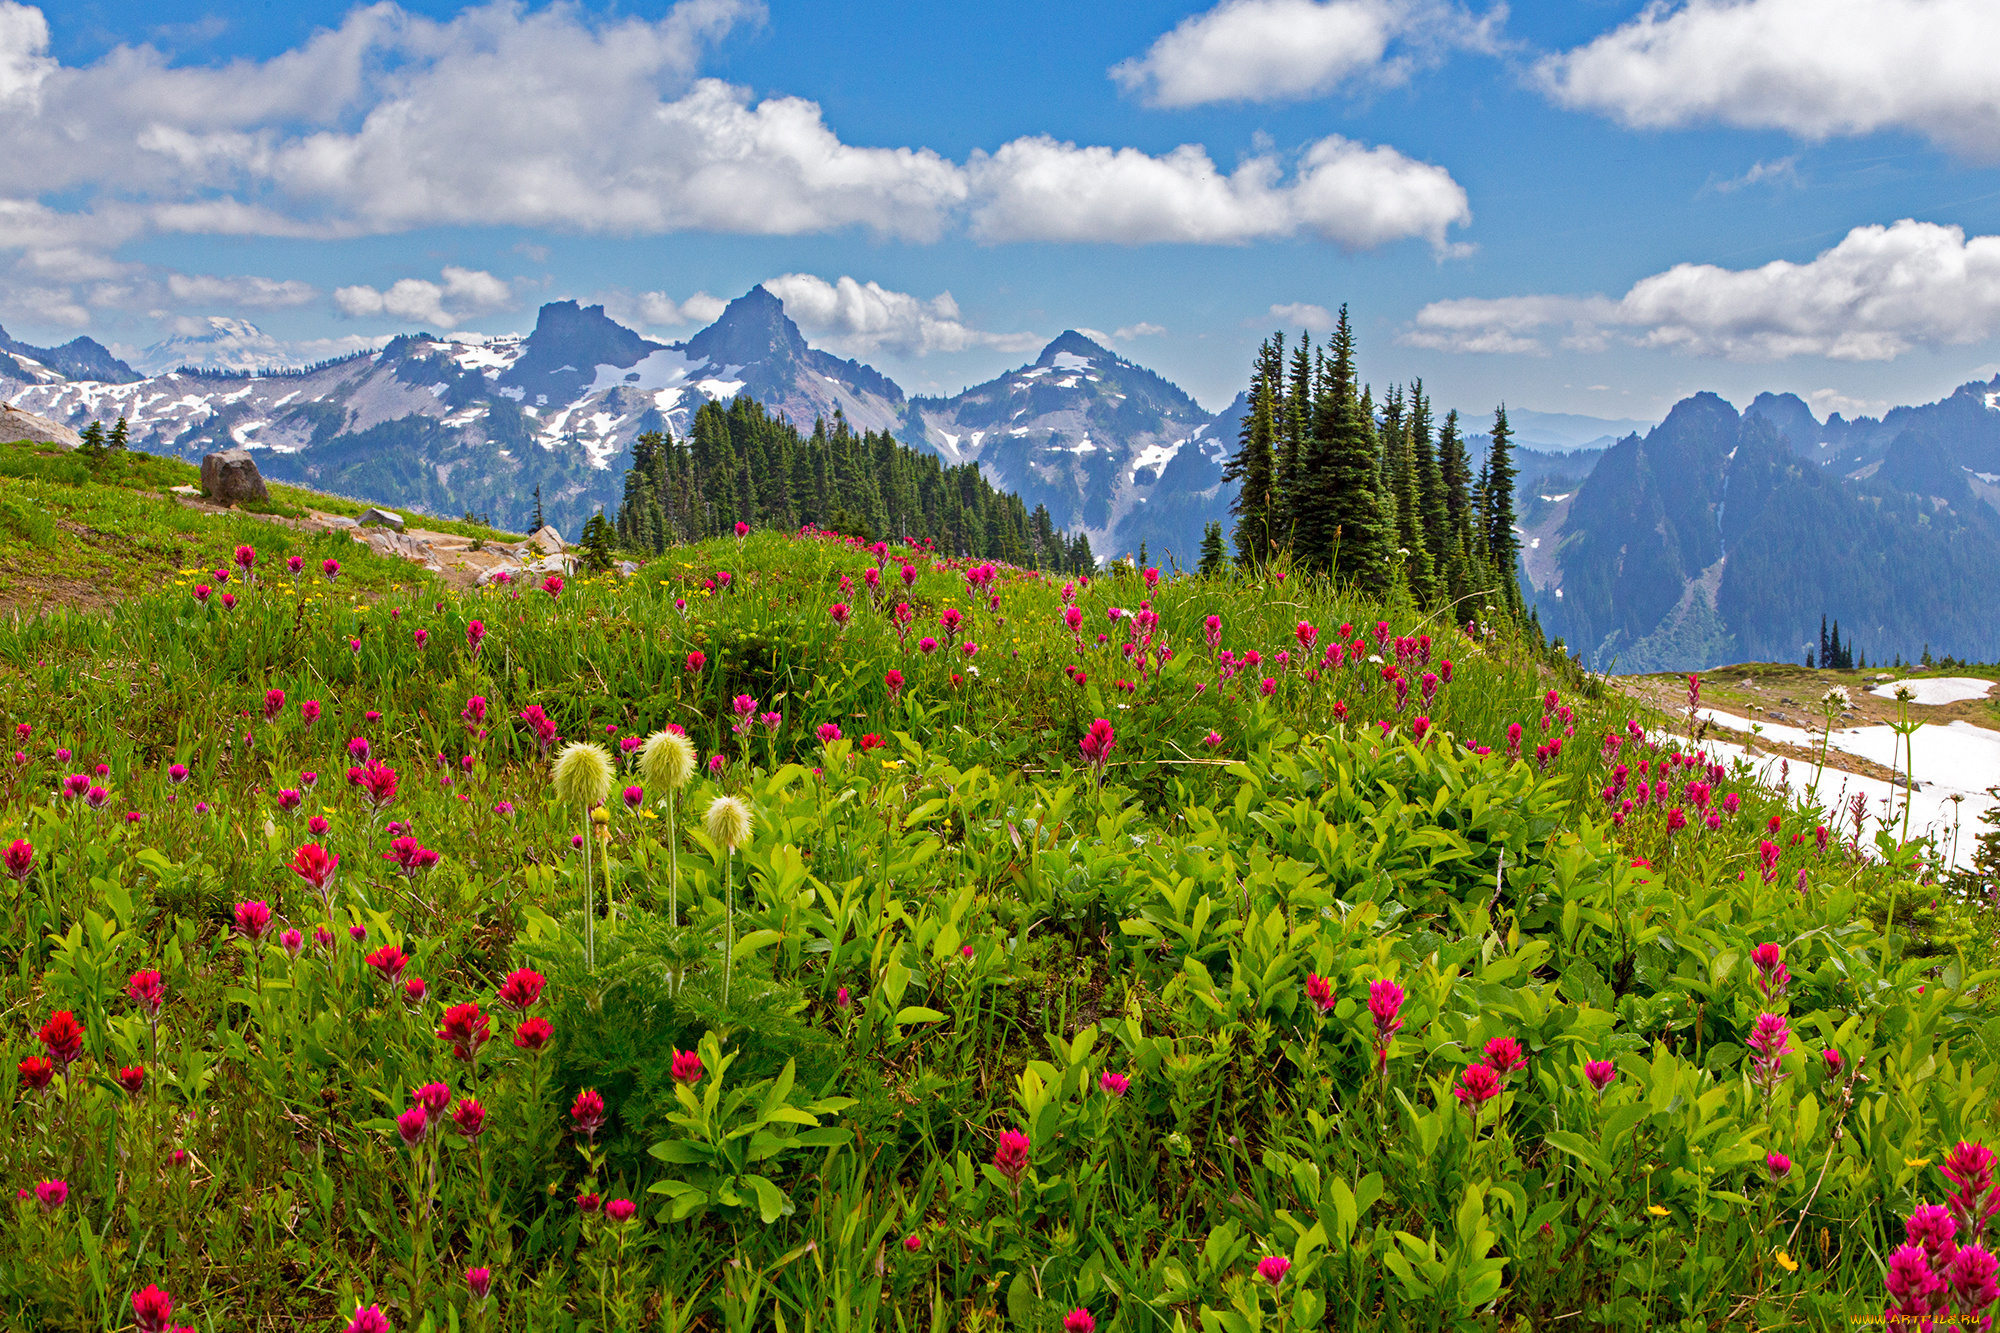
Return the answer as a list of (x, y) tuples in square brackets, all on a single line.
[(1434, 520), (596, 543), (120, 435), (540, 522), (92, 446), (1502, 544), (1341, 523), (1252, 466), (1214, 556), (1298, 427)]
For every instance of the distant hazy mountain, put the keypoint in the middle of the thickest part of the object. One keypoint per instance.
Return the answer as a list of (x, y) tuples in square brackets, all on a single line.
[(229, 344), (80, 358), (1723, 537)]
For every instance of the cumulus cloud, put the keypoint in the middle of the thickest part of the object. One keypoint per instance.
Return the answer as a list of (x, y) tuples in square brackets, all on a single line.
[(1279, 50), (469, 293), (1815, 68), (560, 119), (1140, 330), (657, 310), (858, 318), (1879, 293), (1315, 317), (1357, 197)]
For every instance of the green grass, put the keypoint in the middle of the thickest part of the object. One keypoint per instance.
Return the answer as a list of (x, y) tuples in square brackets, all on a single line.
[(928, 944)]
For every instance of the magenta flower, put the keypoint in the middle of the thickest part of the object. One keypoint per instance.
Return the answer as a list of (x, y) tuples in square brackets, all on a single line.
[(368, 1319), (1273, 1267), (1777, 1165), (1098, 742), (828, 733), (841, 614), (469, 1119), (1320, 992), (1115, 1084), (253, 919), (52, 1194), (292, 942), (1910, 1282), (587, 1112), (620, 1210), (687, 1067), (635, 796), (1079, 1321), (522, 989), (1772, 978), (912, 1243), (478, 1281), (20, 859), (1974, 1199), (1600, 1073), (1476, 1086), (1010, 1155), (1971, 1274), (153, 1310), (1769, 1038), (553, 585), (1505, 1056)]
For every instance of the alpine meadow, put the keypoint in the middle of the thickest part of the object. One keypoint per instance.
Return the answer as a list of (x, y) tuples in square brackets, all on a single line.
[(1208, 666)]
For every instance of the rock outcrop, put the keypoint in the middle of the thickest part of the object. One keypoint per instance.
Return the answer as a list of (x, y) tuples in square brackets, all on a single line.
[(231, 477)]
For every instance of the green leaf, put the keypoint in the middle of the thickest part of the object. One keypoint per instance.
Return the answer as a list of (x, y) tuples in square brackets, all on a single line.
[(916, 1013)]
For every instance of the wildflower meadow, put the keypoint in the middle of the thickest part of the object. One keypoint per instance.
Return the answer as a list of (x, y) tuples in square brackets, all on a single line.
[(802, 934)]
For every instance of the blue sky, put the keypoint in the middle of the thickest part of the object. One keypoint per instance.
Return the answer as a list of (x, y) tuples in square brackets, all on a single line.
[(1568, 207)]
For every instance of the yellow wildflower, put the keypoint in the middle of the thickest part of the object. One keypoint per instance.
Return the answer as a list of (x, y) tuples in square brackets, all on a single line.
[(1786, 1262), (1656, 1210)]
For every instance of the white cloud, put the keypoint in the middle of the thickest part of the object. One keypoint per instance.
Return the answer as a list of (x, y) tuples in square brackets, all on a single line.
[(1783, 171), (253, 292), (1140, 330), (1278, 50), (469, 292), (657, 310), (858, 318), (1825, 402), (560, 119), (1879, 293), (1357, 197), (1315, 317), (1816, 68)]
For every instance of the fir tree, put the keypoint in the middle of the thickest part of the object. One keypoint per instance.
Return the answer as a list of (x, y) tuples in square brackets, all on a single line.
[(1502, 544), (539, 521), (120, 436), (1252, 465), (1433, 518), (596, 544), (1214, 557), (1341, 525), (92, 445)]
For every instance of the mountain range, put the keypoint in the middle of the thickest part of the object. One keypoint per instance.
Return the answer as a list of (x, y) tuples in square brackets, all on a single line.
[(1716, 535), (475, 423), (1724, 536)]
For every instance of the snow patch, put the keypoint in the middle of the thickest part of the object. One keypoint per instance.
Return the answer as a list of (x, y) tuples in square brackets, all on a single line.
[(1939, 691), (664, 369), (1070, 361), (1156, 455), (716, 388)]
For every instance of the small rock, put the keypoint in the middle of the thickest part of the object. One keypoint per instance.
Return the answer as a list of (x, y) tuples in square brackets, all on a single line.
[(546, 540), (381, 518), (231, 478), (488, 575), (627, 568), (184, 490)]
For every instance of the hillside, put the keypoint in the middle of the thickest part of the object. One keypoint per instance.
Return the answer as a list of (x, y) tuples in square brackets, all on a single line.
[(1021, 929)]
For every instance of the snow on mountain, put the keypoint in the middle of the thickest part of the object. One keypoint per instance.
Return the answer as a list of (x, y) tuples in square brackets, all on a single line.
[(1110, 447), (477, 422)]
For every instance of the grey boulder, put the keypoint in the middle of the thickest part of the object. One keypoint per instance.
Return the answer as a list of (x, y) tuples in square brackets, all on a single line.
[(231, 477), (381, 518)]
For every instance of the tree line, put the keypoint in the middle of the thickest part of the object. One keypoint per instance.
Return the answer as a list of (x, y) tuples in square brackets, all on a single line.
[(739, 463), (1374, 496)]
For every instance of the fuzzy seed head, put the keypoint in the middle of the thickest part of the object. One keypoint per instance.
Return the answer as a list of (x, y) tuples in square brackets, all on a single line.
[(728, 822), (582, 775), (667, 761)]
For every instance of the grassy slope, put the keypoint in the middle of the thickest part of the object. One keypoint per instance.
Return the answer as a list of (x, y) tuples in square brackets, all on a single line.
[(962, 931), (83, 536)]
